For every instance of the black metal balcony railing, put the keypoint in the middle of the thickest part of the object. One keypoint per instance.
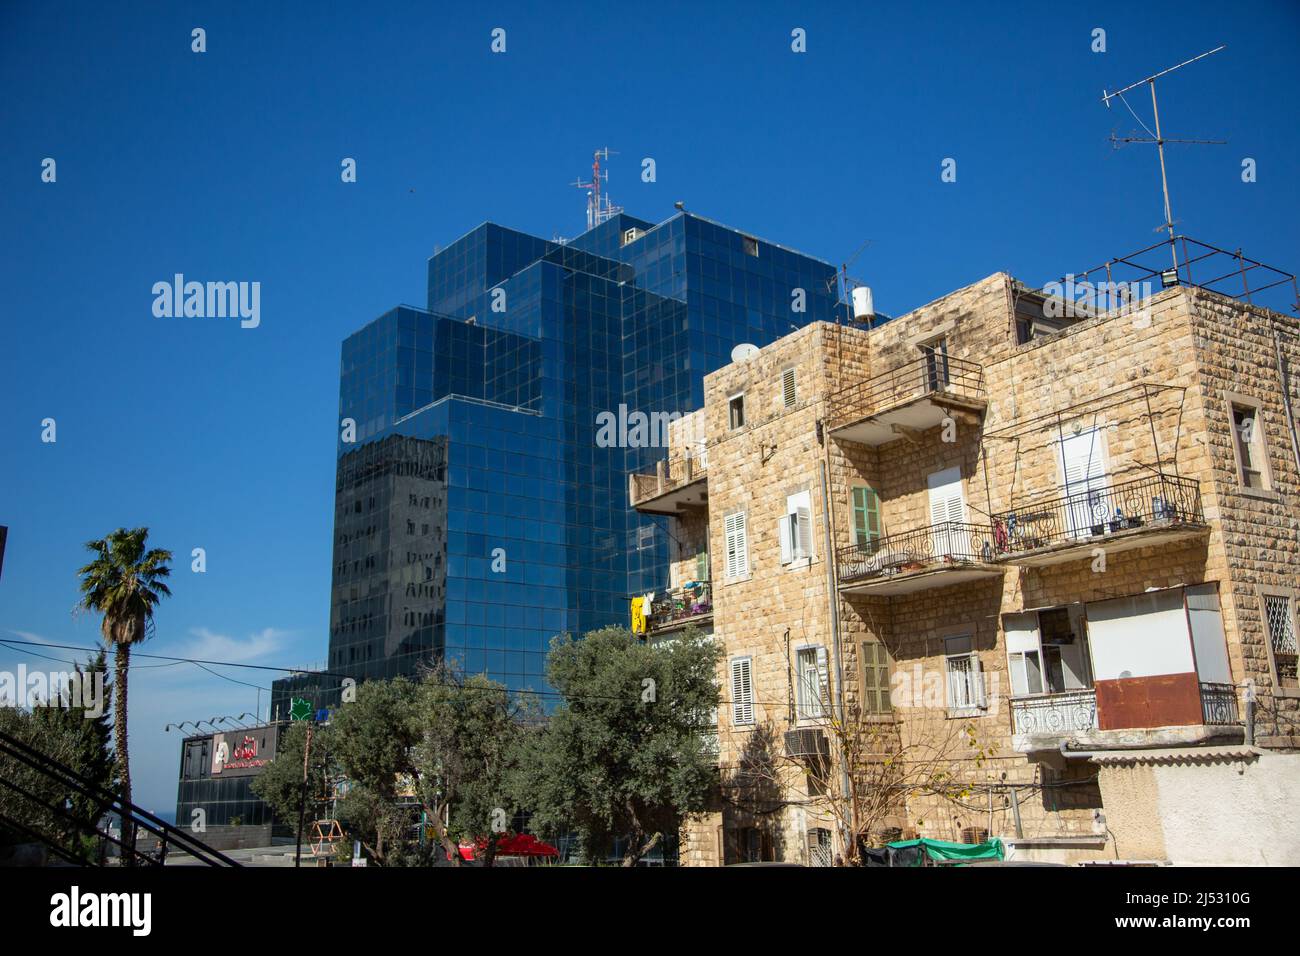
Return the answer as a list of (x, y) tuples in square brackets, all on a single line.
[(1158, 501), (679, 605), (949, 543), (1218, 703), (1068, 712), (930, 374)]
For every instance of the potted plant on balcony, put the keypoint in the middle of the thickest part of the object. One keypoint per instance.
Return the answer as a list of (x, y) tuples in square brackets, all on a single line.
[(1117, 522)]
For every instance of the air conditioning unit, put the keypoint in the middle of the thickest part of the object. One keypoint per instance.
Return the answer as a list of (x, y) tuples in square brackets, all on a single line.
[(806, 742)]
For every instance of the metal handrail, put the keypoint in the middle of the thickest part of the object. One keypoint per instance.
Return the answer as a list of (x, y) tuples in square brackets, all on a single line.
[(1219, 703), (946, 543), (934, 374), (1070, 711), (1152, 501), (137, 816)]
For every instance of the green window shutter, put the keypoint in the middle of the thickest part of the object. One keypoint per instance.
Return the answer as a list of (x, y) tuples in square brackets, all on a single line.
[(875, 677), (866, 517)]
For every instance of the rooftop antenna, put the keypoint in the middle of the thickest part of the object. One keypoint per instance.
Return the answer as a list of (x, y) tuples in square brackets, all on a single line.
[(1157, 137), (599, 208), (843, 280)]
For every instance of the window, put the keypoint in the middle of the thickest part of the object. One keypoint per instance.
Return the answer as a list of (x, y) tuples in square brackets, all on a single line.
[(1047, 651), (874, 663), (814, 682), (751, 245), (965, 681), (819, 847), (795, 530), (754, 845), (742, 691), (789, 388), (1279, 614), (866, 518), (645, 537), (737, 545), (1248, 434), (736, 411)]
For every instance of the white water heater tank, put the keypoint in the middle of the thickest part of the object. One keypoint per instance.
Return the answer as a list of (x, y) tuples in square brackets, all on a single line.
[(863, 308)]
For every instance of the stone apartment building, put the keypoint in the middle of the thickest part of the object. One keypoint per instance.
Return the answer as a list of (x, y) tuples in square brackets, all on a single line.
[(1004, 566)]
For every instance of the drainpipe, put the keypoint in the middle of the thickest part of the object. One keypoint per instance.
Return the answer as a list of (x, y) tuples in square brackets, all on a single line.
[(832, 599)]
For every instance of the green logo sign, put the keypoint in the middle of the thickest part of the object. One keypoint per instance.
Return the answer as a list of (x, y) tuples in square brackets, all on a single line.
[(300, 709)]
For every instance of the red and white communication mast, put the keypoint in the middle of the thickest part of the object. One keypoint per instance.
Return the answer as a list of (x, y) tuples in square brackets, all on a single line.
[(599, 208)]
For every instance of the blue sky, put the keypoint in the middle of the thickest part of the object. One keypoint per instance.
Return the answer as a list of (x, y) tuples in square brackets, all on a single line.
[(225, 166)]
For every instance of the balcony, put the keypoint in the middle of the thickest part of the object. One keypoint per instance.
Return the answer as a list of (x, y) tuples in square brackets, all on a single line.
[(1042, 721), (907, 400), (1131, 514), (678, 484), (1057, 723), (679, 608), (929, 557)]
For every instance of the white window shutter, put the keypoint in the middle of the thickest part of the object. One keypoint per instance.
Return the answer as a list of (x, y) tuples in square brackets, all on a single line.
[(783, 535), (823, 678), (977, 682), (803, 517), (737, 545), (788, 390), (742, 692)]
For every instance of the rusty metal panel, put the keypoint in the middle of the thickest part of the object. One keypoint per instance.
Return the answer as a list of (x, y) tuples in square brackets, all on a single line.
[(1167, 700)]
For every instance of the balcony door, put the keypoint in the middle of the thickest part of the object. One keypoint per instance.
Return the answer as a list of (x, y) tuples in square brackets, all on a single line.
[(947, 514), (936, 364), (1083, 482)]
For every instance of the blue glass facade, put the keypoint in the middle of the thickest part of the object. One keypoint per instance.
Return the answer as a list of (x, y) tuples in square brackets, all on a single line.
[(476, 515)]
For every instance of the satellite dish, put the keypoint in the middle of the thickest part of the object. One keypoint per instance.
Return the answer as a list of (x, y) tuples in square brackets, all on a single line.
[(744, 352)]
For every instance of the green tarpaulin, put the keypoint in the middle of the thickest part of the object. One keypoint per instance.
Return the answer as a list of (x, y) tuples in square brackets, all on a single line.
[(943, 850)]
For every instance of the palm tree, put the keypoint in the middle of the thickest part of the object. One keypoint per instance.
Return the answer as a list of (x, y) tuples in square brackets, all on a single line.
[(124, 583)]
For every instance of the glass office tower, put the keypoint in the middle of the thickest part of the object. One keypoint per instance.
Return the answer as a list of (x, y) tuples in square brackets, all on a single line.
[(476, 515)]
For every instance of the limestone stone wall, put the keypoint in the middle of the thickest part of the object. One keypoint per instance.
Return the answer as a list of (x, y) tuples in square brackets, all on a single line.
[(1157, 383)]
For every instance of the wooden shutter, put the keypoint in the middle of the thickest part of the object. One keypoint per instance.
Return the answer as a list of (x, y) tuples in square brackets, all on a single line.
[(866, 518), (788, 391), (823, 681), (874, 659), (742, 691)]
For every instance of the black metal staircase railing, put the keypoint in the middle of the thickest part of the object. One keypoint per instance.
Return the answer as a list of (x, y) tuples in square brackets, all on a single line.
[(70, 782)]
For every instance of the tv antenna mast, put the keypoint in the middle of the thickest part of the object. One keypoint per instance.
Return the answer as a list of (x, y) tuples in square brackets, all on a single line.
[(599, 208), (1157, 137)]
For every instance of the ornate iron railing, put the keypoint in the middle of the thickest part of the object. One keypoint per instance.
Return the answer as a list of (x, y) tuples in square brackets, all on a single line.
[(669, 473), (939, 545), (673, 607), (1219, 703), (1158, 501), (1068, 712), (934, 374)]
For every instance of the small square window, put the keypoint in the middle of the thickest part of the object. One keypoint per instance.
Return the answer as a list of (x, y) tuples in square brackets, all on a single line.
[(751, 246), (736, 412)]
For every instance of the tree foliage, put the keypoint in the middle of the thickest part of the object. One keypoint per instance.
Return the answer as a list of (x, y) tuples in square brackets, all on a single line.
[(630, 751)]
